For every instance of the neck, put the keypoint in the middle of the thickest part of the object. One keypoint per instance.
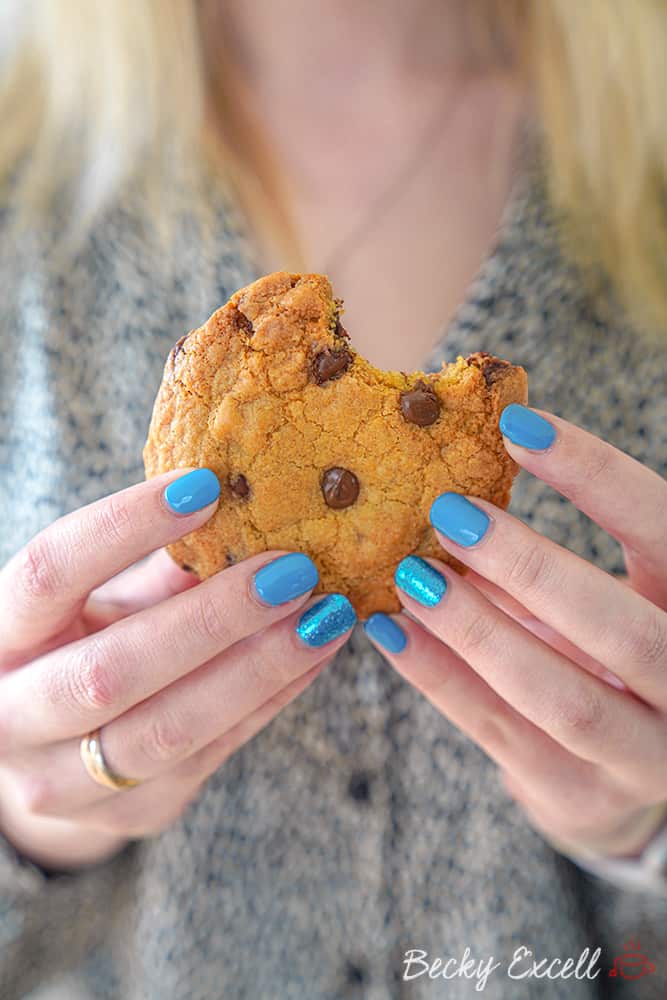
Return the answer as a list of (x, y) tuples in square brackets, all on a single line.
[(292, 44)]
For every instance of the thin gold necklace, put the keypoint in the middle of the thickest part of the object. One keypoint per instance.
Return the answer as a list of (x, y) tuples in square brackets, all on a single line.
[(398, 186)]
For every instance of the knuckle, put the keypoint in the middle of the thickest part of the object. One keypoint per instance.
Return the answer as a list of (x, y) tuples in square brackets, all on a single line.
[(166, 739), (579, 719), (595, 467), (112, 524), (646, 644), (531, 568), (479, 633), (39, 576), (89, 682), (211, 620)]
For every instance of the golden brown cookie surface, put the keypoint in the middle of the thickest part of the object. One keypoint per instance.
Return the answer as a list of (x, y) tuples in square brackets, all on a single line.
[(316, 450)]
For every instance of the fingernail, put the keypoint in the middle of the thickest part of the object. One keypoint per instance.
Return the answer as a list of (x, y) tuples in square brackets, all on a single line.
[(526, 428), (386, 632), (420, 580), (326, 620), (193, 491), (458, 519), (285, 578)]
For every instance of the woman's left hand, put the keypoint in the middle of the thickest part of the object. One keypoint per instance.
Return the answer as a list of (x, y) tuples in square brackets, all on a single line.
[(555, 668)]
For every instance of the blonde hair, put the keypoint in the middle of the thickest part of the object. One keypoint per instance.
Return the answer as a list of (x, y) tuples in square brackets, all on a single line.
[(94, 93)]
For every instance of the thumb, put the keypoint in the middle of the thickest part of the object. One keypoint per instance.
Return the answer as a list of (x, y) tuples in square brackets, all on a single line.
[(148, 582)]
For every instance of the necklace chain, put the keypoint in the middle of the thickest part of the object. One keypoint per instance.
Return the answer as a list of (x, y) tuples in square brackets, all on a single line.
[(398, 186)]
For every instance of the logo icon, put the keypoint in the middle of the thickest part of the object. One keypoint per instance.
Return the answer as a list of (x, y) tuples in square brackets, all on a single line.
[(632, 964)]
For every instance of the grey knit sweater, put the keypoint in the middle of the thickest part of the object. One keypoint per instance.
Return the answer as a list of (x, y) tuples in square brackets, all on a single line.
[(360, 823)]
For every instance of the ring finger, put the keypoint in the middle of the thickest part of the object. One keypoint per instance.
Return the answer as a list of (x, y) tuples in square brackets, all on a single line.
[(157, 735), (520, 748), (156, 804), (584, 714)]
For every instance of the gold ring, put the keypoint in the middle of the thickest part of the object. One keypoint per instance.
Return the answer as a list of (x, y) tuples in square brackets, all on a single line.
[(96, 766)]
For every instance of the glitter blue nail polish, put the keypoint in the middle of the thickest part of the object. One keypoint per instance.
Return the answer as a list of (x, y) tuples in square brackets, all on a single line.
[(458, 519), (326, 620), (386, 632), (420, 580)]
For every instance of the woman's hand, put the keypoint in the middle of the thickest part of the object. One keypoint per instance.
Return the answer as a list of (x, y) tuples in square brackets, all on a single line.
[(555, 668), (178, 674)]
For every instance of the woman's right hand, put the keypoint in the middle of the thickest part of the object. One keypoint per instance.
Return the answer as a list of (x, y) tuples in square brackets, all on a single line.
[(177, 673)]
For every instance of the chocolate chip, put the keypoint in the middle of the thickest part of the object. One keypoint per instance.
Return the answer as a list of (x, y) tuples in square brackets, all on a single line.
[(243, 324), (340, 488), (420, 405), (340, 330), (188, 569), (230, 559), (330, 364), (240, 487), (491, 372), (489, 365)]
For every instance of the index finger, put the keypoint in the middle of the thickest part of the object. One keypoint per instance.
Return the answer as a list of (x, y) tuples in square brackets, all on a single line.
[(616, 491), (44, 586)]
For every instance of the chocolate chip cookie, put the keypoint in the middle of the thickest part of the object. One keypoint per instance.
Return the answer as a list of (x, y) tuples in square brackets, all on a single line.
[(315, 449)]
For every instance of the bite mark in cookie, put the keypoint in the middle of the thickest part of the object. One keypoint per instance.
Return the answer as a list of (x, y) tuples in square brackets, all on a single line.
[(490, 366), (339, 459)]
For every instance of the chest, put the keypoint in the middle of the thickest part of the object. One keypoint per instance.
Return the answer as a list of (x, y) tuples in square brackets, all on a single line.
[(401, 214)]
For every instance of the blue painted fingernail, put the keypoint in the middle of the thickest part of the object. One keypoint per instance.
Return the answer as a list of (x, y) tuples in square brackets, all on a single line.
[(458, 519), (526, 428), (192, 491), (326, 620), (420, 580), (285, 578), (386, 632)]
